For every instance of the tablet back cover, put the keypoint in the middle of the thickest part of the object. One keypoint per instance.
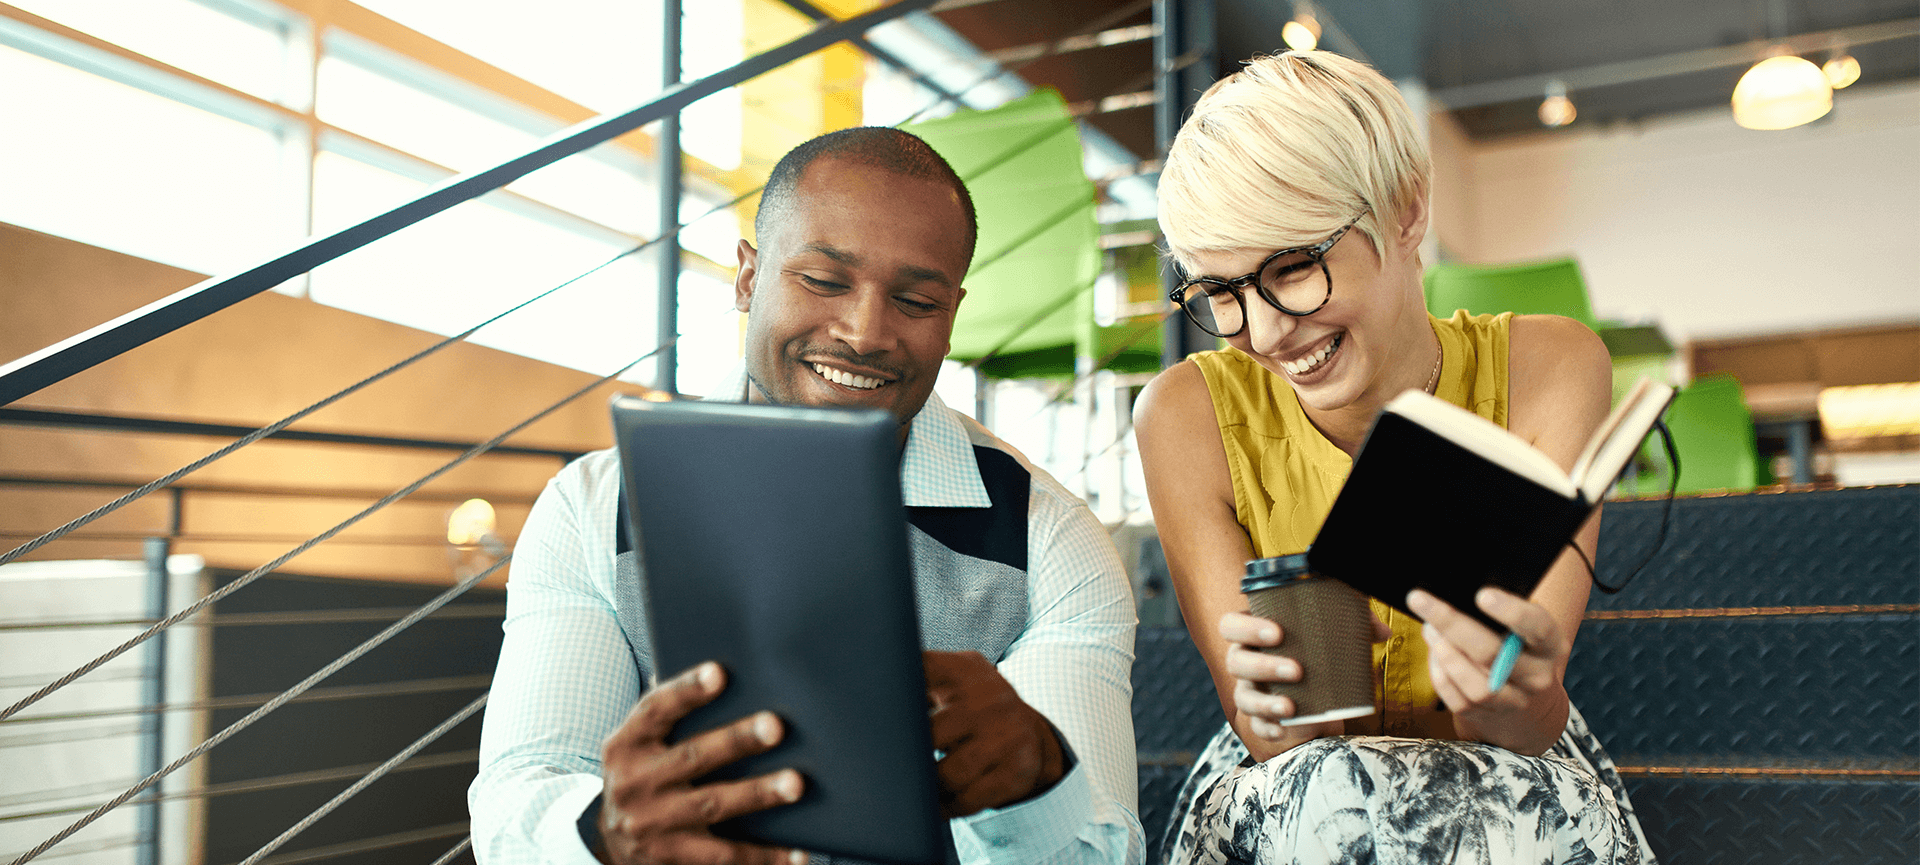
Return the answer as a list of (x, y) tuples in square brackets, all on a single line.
[(774, 541)]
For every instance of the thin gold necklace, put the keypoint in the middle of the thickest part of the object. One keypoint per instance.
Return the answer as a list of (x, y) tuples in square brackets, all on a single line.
[(1433, 379)]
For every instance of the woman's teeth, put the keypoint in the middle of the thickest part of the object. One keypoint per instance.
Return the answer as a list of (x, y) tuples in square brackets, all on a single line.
[(1313, 361), (857, 382)]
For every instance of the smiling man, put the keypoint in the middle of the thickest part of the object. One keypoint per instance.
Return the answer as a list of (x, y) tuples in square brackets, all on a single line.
[(1025, 612)]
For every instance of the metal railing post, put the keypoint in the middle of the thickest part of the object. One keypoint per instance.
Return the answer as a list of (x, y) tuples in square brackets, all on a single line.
[(1185, 27), (153, 692), (666, 364)]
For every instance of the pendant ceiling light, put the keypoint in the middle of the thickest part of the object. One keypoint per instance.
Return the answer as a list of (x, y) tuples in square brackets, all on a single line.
[(1781, 92), (1303, 32)]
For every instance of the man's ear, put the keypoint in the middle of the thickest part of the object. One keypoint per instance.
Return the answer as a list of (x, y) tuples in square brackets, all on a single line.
[(749, 264)]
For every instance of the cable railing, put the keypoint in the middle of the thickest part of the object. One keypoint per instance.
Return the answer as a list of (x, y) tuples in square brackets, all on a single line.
[(88, 349)]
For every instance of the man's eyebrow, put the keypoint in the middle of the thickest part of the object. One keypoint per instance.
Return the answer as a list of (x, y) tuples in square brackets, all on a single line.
[(925, 274), (909, 271), (833, 252)]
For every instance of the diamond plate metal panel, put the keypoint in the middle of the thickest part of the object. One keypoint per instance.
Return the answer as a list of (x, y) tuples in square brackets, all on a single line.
[(1743, 690), (1175, 708), (1715, 822), (1828, 547), (1158, 787)]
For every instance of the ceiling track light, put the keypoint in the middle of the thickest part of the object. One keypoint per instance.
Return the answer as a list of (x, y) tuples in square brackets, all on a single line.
[(1841, 69), (1781, 92), (1556, 110)]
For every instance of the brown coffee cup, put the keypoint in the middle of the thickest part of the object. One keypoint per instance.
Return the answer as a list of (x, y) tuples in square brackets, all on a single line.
[(1326, 627)]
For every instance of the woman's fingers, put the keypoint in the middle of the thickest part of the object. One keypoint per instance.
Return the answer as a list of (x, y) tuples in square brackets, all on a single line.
[(1245, 663), (1250, 630)]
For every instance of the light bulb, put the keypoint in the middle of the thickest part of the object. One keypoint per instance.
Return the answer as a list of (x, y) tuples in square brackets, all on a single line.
[(471, 522), (1842, 71), (1557, 110), (1302, 33), (1780, 93)]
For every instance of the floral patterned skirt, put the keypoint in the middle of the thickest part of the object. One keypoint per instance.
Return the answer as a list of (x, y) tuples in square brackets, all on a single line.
[(1376, 799)]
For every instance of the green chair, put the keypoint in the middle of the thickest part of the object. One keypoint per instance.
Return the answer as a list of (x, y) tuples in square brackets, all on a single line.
[(1543, 287), (1713, 431)]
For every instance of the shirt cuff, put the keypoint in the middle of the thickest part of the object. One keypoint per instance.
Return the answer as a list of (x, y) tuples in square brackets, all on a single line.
[(559, 833), (1031, 829)]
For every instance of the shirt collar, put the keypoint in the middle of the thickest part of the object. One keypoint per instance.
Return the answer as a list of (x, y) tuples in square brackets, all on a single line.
[(937, 469)]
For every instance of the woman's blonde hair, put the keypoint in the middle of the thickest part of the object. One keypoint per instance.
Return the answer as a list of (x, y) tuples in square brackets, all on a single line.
[(1287, 150)]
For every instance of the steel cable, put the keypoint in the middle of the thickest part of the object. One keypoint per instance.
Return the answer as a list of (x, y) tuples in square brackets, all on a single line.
[(335, 666), (366, 780), (456, 851), (256, 573), (282, 423)]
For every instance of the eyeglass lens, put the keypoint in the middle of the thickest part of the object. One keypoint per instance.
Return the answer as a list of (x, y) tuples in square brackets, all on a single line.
[(1295, 282)]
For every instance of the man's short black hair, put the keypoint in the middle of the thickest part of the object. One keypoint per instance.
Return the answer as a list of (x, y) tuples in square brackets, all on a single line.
[(880, 147)]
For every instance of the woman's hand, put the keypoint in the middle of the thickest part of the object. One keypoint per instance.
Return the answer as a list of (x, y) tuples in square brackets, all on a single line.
[(1260, 713), (1528, 713)]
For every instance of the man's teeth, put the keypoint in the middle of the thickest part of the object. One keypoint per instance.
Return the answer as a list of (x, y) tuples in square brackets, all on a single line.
[(1313, 361), (857, 382)]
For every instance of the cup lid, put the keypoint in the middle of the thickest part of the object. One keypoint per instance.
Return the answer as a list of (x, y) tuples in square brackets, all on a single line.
[(1277, 570)]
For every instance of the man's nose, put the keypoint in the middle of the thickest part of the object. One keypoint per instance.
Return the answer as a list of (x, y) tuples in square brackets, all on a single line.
[(862, 320)]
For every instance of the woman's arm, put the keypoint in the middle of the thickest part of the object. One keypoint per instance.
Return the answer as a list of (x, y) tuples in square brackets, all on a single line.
[(1560, 385), (1191, 491)]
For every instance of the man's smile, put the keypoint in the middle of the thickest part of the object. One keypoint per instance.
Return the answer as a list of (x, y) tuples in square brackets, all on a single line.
[(847, 379)]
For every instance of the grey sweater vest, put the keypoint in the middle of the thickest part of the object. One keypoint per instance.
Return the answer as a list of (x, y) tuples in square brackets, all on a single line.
[(969, 571)]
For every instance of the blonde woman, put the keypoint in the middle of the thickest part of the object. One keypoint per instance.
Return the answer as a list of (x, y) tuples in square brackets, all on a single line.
[(1294, 202)]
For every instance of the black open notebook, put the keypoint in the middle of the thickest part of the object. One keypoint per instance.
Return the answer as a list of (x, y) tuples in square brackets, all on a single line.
[(1444, 500)]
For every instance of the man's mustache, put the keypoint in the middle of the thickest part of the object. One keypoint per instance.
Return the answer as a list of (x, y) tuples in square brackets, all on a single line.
[(874, 361)]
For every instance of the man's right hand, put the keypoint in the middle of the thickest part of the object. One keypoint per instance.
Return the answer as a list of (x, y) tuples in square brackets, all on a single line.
[(652, 812)]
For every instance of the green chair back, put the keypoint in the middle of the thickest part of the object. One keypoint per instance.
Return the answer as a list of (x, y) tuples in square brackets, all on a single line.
[(1554, 287), (1713, 431)]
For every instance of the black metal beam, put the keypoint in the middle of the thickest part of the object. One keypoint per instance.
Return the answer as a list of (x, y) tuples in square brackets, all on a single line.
[(820, 16), (83, 351), (137, 424)]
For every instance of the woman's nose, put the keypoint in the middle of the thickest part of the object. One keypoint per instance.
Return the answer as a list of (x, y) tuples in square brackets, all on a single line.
[(1267, 328)]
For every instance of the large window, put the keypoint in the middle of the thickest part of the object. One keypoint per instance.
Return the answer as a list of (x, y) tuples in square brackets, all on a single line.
[(212, 134), (108, 164)]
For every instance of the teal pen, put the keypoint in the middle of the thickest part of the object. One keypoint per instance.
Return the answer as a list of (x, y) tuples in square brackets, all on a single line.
[(1503, 663)]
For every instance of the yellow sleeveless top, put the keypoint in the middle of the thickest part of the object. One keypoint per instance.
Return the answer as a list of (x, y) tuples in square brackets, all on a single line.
[(1286, 475)]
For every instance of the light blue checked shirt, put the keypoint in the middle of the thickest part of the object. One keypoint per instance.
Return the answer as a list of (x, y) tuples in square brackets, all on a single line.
[(567, 678)]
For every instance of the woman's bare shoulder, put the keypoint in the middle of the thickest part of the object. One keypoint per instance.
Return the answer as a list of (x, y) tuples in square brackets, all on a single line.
[(1560, 382), (1175, 401)]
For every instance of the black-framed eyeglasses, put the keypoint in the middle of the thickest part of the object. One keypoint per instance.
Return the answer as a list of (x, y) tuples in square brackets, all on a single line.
[(1295, 281)]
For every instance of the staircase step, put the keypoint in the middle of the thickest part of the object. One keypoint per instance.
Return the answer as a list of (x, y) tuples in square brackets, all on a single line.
[(1697, 821), (1751, 689), (1827, 547)]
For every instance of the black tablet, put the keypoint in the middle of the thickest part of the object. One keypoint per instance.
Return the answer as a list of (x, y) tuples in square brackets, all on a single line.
[(774, 541)]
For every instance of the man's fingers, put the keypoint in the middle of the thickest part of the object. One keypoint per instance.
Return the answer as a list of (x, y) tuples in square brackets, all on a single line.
[(663, 706), (708, 850), (1251, 630), (989, 771), (714, 803), (698, 755)]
